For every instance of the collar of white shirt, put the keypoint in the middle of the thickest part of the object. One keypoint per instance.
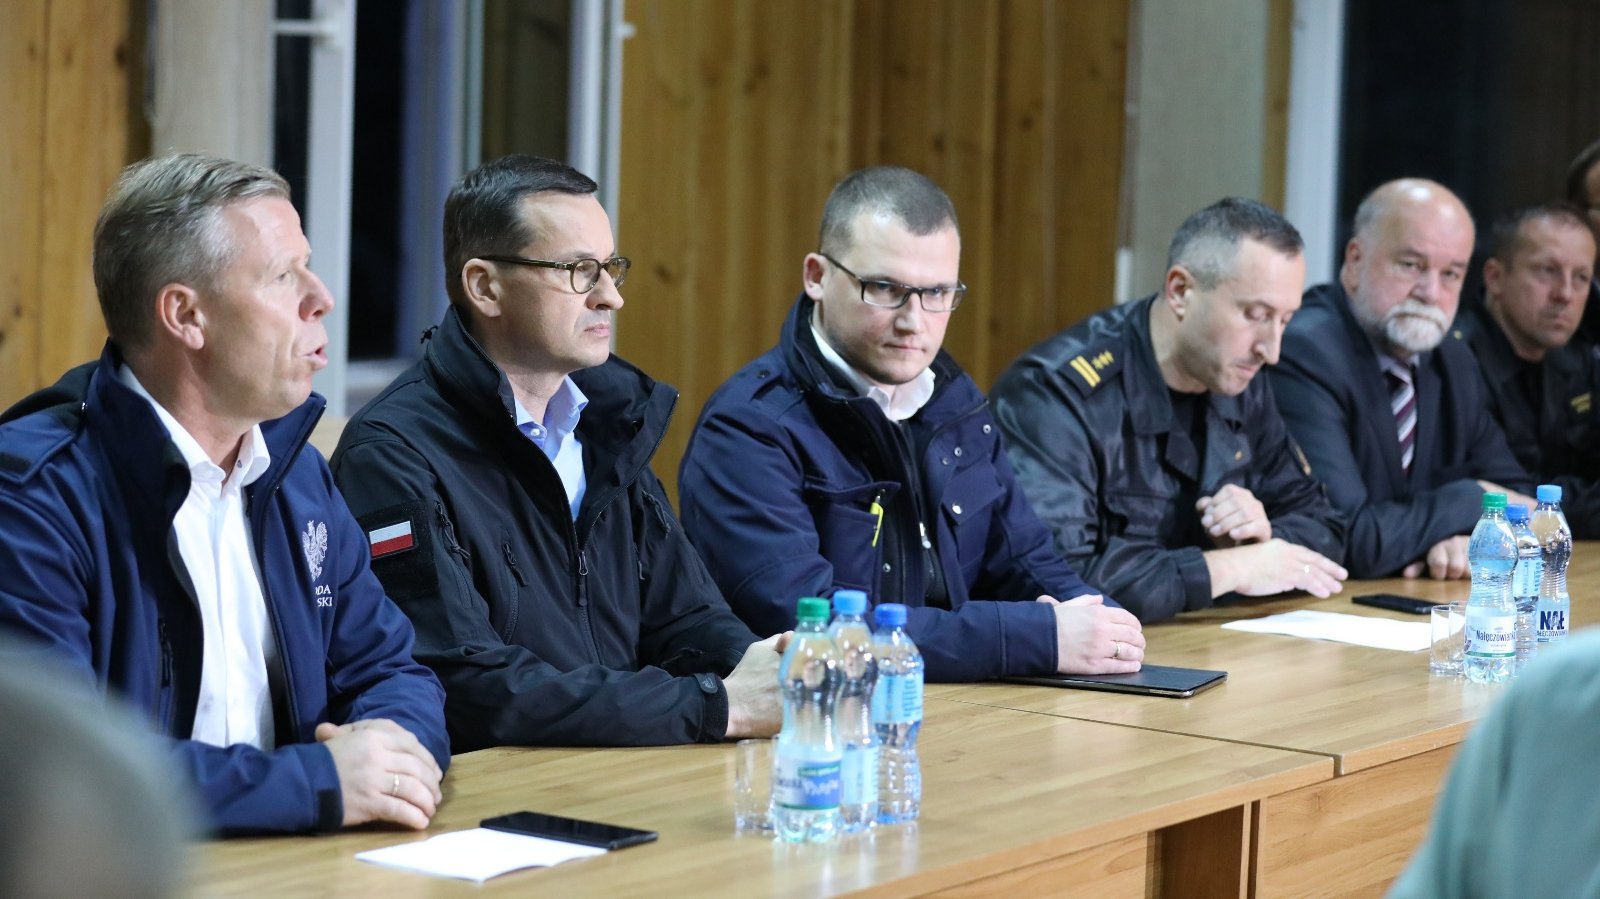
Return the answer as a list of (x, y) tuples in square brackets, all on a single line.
[(253, 456), (899, 402)]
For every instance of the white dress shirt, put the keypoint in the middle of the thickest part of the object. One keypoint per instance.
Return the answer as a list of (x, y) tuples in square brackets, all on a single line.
[(899, 402), (213, 537)]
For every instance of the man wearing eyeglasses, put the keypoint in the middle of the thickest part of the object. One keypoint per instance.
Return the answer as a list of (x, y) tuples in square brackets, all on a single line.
[(505, 486), (1542, 385), (856, 454), (1147, 437)]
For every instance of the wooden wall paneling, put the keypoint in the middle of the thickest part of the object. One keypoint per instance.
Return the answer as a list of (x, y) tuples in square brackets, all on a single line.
[(1275, 127), (1087, 73), (88, 94), (23, 40), (733, 134)]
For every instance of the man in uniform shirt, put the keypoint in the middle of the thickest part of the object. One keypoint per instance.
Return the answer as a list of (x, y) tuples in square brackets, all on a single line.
[(165, 529), (505, 479), (1145, 438), (1541, 386), (856, 453), (1390, 407)]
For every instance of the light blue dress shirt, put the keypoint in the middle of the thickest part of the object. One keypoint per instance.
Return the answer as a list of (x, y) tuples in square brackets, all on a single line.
[(557, 438)]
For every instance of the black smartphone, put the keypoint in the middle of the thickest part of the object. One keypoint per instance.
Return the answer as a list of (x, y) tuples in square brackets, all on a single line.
[(1396, 603), (569, 830)]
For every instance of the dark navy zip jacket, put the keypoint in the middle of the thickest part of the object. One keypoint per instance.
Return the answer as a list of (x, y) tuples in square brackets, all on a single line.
[(779, 490), (89, 567)]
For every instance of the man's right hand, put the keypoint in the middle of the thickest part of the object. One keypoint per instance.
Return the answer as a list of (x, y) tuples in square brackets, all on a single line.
[(755, 707), (1446, 560), (1094, 638), (384, 773), (1277, 566)]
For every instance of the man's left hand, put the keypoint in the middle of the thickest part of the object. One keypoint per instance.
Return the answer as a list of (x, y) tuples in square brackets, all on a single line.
[(1232, 516)]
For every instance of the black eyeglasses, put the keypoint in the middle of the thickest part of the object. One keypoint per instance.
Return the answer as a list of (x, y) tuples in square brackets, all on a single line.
[(893, 295), (585, 272)]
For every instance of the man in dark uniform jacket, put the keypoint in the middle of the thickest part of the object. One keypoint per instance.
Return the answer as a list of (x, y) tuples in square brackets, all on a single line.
[(505, 484), (856, 453), (1541, 385), (1393, 415), (1144, 438)]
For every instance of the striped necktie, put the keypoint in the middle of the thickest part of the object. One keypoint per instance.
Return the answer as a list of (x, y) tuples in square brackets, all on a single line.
[(1403, 402)]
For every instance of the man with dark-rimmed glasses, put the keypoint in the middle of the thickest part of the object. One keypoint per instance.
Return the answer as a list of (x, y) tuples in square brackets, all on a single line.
[(856, 454), (505, 485)]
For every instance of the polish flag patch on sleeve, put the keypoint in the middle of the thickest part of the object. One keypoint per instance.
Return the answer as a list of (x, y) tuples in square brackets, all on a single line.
[(389, 540)]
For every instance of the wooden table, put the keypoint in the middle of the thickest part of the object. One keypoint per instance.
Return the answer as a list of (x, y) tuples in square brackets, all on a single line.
[(1014, 802), (1311, 771), (1390, 728)]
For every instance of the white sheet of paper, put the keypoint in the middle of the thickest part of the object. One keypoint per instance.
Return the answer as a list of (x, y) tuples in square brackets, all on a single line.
[(1362, 630), (477, 854)]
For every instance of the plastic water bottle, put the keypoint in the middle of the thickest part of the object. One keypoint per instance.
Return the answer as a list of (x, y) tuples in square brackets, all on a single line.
[(805, 775), (1525, 580), (858, 773), (1555, 537), (897, 716), (1491, 638)]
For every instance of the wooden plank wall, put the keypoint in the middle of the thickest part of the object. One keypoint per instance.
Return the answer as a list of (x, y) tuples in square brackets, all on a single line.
[(738, 118), (66, 96)]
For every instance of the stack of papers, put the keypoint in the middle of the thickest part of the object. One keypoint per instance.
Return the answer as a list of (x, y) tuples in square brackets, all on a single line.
[(477, 854), (1379, 633)]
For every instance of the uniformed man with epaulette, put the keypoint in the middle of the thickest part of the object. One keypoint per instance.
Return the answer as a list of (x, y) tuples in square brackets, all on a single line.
[(1541, 387), (1144, 438)]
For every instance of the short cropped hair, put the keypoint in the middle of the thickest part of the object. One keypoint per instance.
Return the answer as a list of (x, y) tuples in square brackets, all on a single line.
[(162, 225), (918, 204), (1207, 243), (483, 214), (1507, 239), (1578, 177)]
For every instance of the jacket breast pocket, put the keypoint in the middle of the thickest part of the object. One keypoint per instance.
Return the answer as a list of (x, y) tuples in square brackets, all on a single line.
[(849, 528), (967, 509), (1140, 516)]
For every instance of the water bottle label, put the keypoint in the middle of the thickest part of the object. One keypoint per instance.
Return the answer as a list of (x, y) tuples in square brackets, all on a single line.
[(898, 699), (858, 774), (1490, 636), (1550, 622), (1529, 573), (806, 784)]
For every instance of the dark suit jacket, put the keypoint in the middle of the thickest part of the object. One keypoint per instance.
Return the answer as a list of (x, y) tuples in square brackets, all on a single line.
[(1335, 400)]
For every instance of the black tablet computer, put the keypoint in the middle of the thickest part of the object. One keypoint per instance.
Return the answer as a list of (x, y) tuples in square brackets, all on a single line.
[(1151, 680)]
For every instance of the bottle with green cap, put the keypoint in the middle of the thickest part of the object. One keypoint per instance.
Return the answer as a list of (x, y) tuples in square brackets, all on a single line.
[(806, 783), (1491, 636)]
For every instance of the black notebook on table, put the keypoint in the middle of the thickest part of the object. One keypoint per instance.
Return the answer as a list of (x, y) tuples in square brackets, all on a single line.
[(1151, 680)]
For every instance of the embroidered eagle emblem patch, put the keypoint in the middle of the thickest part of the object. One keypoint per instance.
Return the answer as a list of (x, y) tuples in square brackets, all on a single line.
[(315, 542)]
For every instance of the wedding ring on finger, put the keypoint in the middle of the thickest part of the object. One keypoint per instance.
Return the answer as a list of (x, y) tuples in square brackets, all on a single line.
[(394, 785), (1116, 649)]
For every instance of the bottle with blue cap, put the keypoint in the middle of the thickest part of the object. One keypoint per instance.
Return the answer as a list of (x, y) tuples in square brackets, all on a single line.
[(858, 802), (1525, 579), (805, 770), (897, 716), (1555, 538)]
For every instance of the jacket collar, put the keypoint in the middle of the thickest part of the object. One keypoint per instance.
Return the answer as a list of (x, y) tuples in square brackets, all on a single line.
[(623, 423), (143, 455), (1148, 396), (801, 356)]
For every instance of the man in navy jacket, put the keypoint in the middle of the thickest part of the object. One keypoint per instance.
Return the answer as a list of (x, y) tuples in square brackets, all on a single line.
[(165, 530), (856, 453), (1388, 405)]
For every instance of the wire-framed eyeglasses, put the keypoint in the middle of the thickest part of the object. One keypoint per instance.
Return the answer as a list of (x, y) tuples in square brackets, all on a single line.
[(892, 294), (584, 273)]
